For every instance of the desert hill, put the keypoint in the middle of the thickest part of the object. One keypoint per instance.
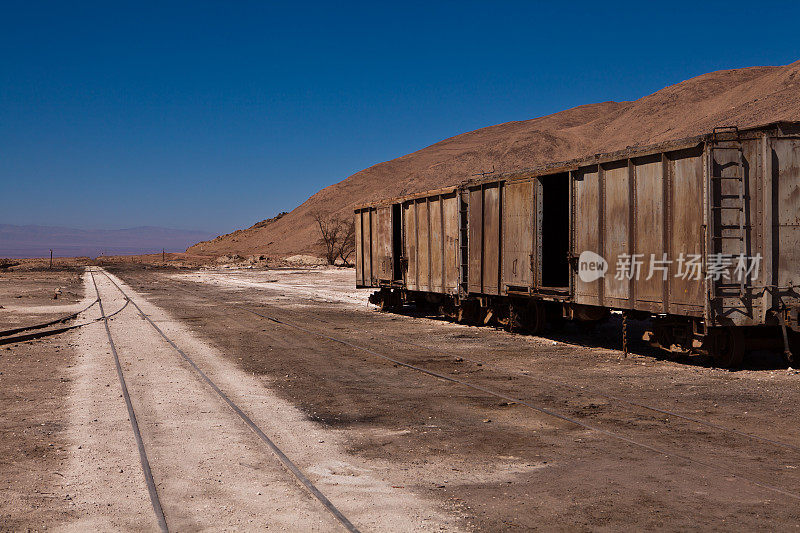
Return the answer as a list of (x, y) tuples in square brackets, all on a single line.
[(741, 97)]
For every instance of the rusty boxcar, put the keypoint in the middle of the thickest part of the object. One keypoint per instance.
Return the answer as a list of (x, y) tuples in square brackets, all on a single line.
[(701, 235)]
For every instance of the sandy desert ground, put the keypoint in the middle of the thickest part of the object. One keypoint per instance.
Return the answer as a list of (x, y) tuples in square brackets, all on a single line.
[(401, 422)]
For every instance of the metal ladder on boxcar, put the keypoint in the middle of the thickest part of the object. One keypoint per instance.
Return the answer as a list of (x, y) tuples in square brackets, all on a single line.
[(737, 231), (463, 242)]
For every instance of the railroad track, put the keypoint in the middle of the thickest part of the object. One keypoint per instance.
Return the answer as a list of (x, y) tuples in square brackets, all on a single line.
[(581, 389), (22, 334), (137, 434), (551, 412), (155, 500)]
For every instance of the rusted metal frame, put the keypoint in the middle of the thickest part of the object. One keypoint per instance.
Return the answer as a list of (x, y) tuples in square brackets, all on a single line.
[(430, 247), (500, 251), (403, 246), (601, 228), (463, 241), (666, 241), (363, 252), (503, 289), (483, 240), (708, 219), (392, 248), (444, 236), (742, 213), (768, 298), (359, 250), (572, 225), (500, 288), (372, 277), (631, 228), (416, 244), (536, 233), (756, 228)]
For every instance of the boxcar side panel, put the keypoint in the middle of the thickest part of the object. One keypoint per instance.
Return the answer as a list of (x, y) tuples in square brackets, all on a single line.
[(423, 246), (475, 240), (518, 235), (586, 229), (366, 229), (374, 246), (754, 179), (616, 183), (384, 250), (359, 259), (649, 233), (410, 244), (686, 226), (491, 239), (436, 241), (786, 193), (450, 237)]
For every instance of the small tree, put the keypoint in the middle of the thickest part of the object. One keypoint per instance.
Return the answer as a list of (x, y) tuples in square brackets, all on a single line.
[(337, 236), (347, 243)]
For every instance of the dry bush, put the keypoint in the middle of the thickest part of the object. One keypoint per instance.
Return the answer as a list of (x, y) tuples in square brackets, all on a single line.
[(6, 263), (337, 237)]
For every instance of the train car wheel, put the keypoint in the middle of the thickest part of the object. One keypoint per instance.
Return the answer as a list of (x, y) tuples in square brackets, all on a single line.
[(530, 318), (728, 348), (516, 319), (536, 318)]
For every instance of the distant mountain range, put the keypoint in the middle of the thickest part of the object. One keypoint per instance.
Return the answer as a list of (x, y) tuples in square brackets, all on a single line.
[(36, 241)]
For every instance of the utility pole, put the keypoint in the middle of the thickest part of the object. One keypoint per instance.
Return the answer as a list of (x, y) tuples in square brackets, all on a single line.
[(51, 259)]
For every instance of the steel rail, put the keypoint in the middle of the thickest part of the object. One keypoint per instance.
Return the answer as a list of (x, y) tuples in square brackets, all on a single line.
[(698, 421), (7, 332), (531, 405), (51, 332), (148, 474), (285, 461)]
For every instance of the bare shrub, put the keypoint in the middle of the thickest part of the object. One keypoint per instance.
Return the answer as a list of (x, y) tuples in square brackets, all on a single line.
[(347, 244), (337, 236), (6, 263)]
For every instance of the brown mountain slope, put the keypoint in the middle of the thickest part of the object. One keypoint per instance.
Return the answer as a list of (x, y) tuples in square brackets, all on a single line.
[(742, 97)]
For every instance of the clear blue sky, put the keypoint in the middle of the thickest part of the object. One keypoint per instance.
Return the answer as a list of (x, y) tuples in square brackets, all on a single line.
[(214, 115)]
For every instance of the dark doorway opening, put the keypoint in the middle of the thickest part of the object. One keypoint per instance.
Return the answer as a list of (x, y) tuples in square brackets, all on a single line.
[(397, 242), (555, 230)]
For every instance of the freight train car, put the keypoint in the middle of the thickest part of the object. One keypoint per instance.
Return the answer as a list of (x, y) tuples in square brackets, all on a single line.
[(700, 235)]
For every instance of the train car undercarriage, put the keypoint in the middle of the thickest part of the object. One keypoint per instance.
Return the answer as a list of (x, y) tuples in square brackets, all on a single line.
[(675, 335)]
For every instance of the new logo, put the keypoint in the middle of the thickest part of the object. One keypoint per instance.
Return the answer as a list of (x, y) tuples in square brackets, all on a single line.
[(591, 266)]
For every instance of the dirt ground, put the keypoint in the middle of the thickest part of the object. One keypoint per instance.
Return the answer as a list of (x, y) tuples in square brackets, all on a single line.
[(392, 447), (33, 391)]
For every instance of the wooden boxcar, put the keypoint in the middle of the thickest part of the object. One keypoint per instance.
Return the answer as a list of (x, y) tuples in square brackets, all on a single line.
[(702, 235)]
